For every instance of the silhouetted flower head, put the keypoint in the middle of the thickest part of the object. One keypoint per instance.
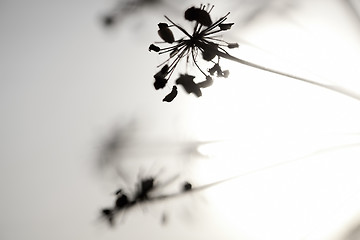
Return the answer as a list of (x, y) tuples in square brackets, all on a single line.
[(202, 40)]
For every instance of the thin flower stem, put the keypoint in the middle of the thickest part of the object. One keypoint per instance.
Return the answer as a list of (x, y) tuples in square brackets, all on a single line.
[(213, 184), (215, 24), (194, 59), (180, 28), (335, 88)]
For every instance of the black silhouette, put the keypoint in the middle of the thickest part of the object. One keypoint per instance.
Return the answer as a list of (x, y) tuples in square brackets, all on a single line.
[(199, 15), (165, 33), (187, 81), (207, 83), (160, 78), (171, 95), (201, 40), (187, 186)]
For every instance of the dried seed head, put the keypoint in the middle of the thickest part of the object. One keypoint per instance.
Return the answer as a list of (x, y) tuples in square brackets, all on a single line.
[(201, 40)]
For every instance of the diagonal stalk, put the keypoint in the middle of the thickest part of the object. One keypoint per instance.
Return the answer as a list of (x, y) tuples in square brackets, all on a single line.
[(308, 156), (335, 88)]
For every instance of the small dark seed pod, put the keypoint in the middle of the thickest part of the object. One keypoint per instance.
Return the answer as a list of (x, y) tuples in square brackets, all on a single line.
[(171, 95), (165, 33), (154, 48), (225, 26), (233, 45), (187, 186), (207, 83)]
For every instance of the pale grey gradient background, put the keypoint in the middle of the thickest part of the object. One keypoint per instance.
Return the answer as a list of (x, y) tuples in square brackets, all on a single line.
[(66, 83)]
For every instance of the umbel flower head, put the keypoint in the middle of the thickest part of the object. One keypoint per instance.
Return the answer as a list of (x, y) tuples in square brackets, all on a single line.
[(202, 40)]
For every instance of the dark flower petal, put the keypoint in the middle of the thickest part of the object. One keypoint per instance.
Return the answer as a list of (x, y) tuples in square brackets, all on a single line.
[(216, 68), (164, 70), (160, 77), (171, 95), (225, 26), (233, 45), (163, 25), (154, 48), (191, 13), (207, 83), (225, 73), (160, 82), (165, 33), (209, 51), (199, 15), (187, 81), (220, 73), (204, 18)]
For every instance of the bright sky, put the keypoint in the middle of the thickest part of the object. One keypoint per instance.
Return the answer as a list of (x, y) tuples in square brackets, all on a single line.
[(66, 83)]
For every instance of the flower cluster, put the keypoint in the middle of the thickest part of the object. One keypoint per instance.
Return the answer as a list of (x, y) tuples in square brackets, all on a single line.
[(145, 189), (202, 40)]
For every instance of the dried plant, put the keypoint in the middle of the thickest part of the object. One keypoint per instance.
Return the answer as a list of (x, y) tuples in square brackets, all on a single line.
[(213, 48), (202, 41), (145, 192)]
